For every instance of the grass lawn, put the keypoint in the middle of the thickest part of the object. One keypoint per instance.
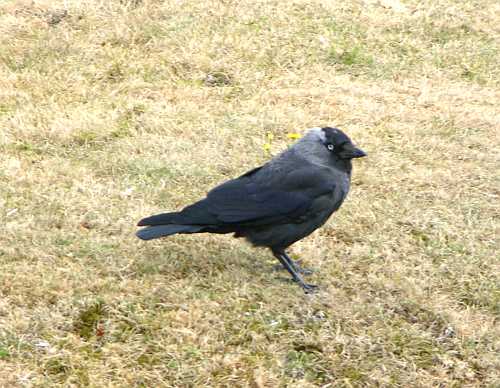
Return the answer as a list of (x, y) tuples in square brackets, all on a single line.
[(114, 110)]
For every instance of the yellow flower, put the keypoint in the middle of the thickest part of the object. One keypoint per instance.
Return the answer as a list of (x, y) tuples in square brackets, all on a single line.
[(293, 136)]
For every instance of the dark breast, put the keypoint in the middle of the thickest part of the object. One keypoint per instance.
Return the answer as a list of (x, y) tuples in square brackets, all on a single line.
[(284, 235)]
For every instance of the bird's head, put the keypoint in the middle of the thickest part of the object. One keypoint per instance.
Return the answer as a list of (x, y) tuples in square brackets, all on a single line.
[(338, 144), (327, 146)]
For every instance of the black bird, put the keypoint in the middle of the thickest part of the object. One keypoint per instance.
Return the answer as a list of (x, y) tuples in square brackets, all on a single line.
[(276, 204)]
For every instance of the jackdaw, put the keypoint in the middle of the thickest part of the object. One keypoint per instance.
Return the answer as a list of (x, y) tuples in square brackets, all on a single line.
[(276, 204)]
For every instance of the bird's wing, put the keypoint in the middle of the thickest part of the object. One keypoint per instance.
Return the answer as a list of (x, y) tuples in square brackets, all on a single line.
[(286, 198), (251, 172)]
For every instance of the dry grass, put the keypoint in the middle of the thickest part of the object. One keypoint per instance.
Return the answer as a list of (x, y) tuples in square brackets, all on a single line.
[(112, 110)]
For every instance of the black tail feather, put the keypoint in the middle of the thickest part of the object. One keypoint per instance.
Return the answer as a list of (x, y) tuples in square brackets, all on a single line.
[(157, 231), (159, 219)]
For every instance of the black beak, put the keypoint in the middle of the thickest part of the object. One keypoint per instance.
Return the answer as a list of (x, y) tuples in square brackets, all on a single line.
[(350, 152), (358, 153)]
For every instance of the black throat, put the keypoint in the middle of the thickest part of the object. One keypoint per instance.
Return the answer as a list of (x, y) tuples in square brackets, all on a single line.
[(344, 165)]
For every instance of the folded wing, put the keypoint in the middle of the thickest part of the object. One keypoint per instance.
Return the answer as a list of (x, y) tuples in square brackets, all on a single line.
[(251, 199), (256, 198)]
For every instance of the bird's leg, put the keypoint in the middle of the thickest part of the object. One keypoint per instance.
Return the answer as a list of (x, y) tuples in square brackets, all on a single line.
[(284, 260), (295, 264)]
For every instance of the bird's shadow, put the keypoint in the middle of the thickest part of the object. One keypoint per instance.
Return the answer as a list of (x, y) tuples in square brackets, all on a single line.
[(206, 257)]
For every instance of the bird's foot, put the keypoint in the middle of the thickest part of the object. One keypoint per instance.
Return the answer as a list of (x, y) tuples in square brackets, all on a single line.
[(309, 288), (294, 269)]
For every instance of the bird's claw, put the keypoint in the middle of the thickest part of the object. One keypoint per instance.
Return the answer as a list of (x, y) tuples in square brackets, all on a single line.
[(309, 288)]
